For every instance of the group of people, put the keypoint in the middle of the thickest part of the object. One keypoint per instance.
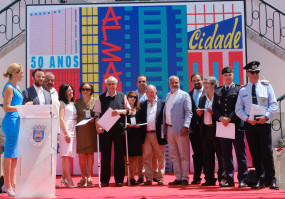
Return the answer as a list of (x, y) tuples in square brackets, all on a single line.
[(151, 124)]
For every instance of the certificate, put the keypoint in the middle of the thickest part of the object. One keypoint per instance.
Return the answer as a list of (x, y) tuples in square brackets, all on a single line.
[(107, 121), (256, 110), (225, 131), (83, 122)]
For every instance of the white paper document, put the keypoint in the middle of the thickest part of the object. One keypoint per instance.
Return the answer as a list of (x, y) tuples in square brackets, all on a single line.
[(225, 131), (256, 110), (83, 122), (107, 120)]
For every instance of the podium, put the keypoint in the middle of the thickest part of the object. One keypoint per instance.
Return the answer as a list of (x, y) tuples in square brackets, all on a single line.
[(36, 164)]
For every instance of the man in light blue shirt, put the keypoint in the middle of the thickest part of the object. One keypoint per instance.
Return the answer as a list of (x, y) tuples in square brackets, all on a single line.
[(258, 130)]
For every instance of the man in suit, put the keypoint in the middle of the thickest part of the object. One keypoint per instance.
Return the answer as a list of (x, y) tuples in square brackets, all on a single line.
[(151, 113), (36, 94), (194, 135), (224, 111), (176, 121), (210, 143), (258, 128)]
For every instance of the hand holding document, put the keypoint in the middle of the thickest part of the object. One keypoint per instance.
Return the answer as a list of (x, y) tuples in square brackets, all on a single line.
[(107, 121), (225, 131), (256, 110), (83, 122)]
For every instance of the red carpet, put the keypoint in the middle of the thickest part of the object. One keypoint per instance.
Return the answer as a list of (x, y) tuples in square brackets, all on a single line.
[(165, 191)]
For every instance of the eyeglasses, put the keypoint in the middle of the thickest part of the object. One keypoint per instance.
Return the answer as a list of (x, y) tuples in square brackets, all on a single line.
[(133, 96), (141, 81), (86, 89), (254, 72)]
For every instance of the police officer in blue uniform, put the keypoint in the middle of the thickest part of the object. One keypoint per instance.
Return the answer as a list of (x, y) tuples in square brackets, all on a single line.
[(224, 111), (258, 128)]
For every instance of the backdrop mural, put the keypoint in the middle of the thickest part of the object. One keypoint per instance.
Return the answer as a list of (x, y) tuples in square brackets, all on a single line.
[(88, 43)]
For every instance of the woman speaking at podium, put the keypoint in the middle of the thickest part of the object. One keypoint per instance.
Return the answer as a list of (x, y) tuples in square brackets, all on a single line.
[(11, 125), (67, 138)]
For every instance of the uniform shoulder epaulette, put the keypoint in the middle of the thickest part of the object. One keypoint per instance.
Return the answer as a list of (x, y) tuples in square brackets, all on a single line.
[(265, 82)]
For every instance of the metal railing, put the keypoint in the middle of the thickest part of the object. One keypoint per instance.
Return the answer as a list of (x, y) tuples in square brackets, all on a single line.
[(278, 122), (12, 19), (267, 21)]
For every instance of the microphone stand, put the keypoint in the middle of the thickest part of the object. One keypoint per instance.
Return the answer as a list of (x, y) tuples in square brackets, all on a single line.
[(127, 150)]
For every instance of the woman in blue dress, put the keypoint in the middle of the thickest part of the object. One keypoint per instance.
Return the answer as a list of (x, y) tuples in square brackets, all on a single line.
[(10, 126)]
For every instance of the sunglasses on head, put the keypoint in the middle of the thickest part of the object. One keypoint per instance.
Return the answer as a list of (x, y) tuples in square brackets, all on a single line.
[(141, 81), (133, 96), (86, 89), (254, 72)]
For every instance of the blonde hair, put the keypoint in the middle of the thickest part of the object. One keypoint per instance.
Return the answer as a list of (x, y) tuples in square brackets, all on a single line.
[(14, 67)]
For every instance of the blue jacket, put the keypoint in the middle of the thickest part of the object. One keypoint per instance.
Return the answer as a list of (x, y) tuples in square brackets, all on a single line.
[(181, 112)]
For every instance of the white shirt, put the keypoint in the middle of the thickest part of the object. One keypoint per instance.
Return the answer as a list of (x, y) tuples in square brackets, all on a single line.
[(151, 114), (40, 93), (207, 115), (169, 105)]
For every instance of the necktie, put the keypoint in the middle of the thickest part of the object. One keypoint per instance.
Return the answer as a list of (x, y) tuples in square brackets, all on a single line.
[(227, 89), (253, 93), (196, 98)]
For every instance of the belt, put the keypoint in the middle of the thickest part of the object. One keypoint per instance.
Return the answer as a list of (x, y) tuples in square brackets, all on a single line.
[(209, 125), (168, 125), (154, 131)]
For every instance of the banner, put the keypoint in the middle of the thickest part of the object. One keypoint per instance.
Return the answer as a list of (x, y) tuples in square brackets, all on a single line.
[(88, 43)]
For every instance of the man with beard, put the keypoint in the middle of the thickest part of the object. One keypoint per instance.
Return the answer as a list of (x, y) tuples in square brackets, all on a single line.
[(194, 135), (176, 121), (36, 94)]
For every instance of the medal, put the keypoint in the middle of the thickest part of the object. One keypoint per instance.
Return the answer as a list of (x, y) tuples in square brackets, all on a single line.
[(263, 99), (219, 101)]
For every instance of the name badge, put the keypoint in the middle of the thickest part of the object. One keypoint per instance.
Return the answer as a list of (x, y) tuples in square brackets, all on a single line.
[(133, 121), (87, 114)]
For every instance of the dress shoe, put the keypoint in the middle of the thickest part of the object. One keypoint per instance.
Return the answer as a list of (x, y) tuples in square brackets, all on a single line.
[(223, 181), (154, 180), (140, 180), (196, 182), (175, 182), (226, 184), (258, 185), (82, 182), (4, 189), (274, 186), (184, 182), (103, 184), (133, 182), (119, 184), (160, 182), (148, 183), (241, 184), (89, 182), (209, 183)]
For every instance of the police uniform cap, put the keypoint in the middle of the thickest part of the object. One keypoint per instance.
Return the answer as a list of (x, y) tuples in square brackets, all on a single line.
[(227, 69), (252, 66)]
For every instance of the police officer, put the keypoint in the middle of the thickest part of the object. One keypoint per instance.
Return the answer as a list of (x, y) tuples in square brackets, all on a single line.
[(224, 111), (258, 128)]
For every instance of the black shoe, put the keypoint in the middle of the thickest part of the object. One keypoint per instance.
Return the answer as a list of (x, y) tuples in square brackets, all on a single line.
[(196, 181), (227, 184), (133, 182), (258, 185), (209, 183), (119, 184), (154, 180), (140, 180), (241, 184), (184, 182), (274, 186), (104, 184), (175, 182)]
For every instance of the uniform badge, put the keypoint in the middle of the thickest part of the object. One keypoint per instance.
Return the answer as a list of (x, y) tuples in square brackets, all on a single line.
[(263, 99)]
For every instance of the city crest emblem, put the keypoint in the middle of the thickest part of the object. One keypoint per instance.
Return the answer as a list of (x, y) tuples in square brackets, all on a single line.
[(38, 136)]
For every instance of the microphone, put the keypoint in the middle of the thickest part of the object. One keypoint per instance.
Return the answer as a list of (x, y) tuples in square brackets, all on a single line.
[(280, 98)]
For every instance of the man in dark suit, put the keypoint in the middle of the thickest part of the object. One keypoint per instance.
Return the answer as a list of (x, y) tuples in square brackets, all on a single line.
[(194, 135), (224, 111), (151, 113), (36, 94), (210, 143)]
